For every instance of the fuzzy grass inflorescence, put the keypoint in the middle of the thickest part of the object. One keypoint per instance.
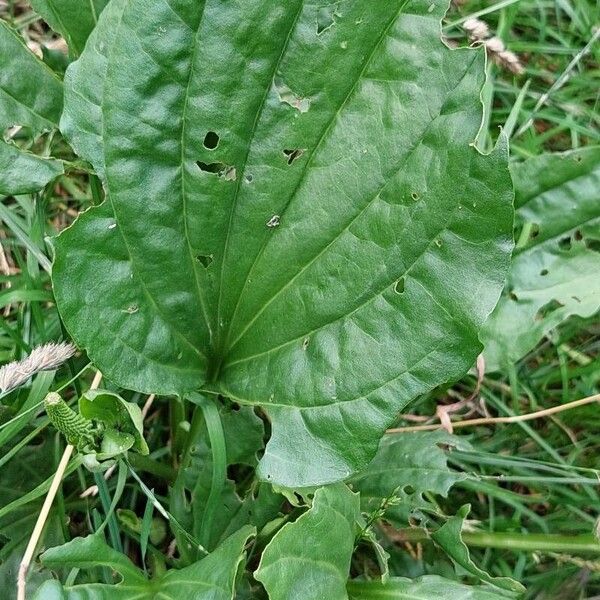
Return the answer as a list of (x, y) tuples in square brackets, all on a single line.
[(43, 358)]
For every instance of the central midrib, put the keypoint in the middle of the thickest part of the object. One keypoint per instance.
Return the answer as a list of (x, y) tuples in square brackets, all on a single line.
[(259, 112), (323, 136)]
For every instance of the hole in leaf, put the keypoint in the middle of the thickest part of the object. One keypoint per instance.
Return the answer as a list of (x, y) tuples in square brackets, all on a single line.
[(578, 158), (249, 178), (408, 489), (305, 343), (399, 286), (565, 243), (205, 260), (292, 155), (513, 296), (238, 471), (220, 169), (544, 272), (211, 140), (274, 221), (288, 97), (534, 231), (547, 309), (593, 245), (414, 195), (326, 18), (578, 236)]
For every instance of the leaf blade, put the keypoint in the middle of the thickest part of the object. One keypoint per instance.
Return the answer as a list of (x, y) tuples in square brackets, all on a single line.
[(552, 275), (278, 245)]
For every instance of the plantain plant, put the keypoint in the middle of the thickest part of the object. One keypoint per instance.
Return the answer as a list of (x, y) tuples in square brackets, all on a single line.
[(293, 237)]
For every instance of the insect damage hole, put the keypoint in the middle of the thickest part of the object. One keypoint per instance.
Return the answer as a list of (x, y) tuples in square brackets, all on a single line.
[(547, 309), (205, 260), (399, 286), (326, 18), (274, 221), (211, 140), (219, 169), (287, 96), (293, 154)]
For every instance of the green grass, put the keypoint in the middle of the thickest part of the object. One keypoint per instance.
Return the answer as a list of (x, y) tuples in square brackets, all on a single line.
[(536, 478)]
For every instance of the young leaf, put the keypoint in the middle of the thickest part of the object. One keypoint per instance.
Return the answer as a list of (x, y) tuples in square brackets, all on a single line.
[(429, 587), (406, 467), (115, 413), (212, 578), (30, 96), (310, 558), (321, 241), (554, 273), (448, 537), (73, 19)]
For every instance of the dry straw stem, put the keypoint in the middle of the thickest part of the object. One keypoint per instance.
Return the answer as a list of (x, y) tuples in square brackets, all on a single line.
[(43, 358), (496, 420), (43, 516)]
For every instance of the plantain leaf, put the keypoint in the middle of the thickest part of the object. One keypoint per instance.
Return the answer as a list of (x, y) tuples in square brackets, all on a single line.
[(429, 587), (296, 217), (406, 467), (554, 273), (310, 558), (25, 173), (30, 96), (73, 19), (212, 578)]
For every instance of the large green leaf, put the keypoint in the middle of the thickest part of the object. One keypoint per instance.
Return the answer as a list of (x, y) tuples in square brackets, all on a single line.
[(405, 468), (30, 96), (429, 587), (554, 273), (73, 19), (212, 578), (310, 558), (297, 218)]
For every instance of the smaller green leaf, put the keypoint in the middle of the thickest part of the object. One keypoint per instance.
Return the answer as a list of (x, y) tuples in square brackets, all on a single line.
[(73, 19), (157, 529), (429, 587), (23, 172), (115, 413), (449, 538), (554, 272), (310, 558), (31, 95), (212, 578), (405, 467), (194, 478)]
